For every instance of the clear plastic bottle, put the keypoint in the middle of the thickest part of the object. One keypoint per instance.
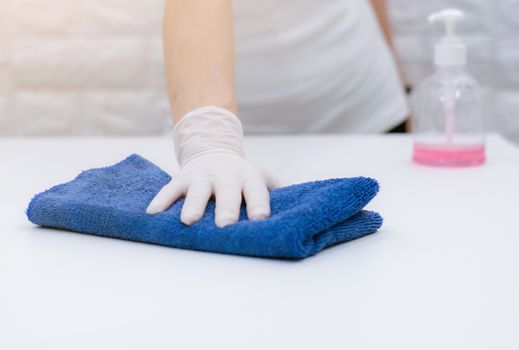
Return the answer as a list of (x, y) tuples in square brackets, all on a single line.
[(447, 110)]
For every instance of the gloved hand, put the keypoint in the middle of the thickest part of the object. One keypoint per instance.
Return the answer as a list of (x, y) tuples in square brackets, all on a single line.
[(209, 149)]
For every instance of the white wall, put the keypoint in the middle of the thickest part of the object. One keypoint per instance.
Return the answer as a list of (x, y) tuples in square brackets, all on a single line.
[(95, 66), (81, 67)]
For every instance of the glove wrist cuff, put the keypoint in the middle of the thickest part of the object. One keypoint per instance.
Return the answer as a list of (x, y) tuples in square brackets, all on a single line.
[(207, 130)]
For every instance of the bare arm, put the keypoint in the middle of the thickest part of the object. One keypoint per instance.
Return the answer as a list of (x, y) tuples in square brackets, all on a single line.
[(199, 55), (385, 24), (381, 11), (380, 8)]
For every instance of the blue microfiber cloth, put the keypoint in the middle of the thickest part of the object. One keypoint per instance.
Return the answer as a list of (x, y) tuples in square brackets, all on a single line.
[(111, 202)]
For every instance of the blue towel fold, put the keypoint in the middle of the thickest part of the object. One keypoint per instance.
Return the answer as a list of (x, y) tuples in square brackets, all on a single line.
[(111, 202)]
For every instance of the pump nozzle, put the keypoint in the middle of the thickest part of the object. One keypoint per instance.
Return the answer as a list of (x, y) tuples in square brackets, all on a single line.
[(451, 49), (450, 17)]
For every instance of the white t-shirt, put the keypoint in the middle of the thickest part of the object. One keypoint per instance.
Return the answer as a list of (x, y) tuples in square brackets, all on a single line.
[(314, 66)]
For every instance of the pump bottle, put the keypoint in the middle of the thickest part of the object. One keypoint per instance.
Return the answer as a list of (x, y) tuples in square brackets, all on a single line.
[(447, 108)]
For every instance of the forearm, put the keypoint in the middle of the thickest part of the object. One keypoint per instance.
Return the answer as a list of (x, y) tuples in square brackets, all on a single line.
[(199, 55), (380, 8)]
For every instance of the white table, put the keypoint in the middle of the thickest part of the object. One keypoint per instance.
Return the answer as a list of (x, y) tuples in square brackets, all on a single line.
[(442, 273)]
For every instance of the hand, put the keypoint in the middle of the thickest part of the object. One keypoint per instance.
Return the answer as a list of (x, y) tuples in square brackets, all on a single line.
[(208, 143)]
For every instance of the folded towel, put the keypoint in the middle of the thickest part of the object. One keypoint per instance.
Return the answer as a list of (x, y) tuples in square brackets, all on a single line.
[(111, 202)]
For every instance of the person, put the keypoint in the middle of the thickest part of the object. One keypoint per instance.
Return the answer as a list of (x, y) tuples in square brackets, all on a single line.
[(292, 66)]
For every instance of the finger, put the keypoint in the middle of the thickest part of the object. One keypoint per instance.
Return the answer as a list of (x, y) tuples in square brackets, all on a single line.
[(272, 182), (257, 198), (228, 202), (166, 197), (197, 196)]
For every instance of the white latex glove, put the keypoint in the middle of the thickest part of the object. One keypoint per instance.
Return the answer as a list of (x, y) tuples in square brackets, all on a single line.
[(209, 149)]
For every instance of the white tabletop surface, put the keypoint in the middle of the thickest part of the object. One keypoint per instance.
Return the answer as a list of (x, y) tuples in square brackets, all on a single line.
[(442, 273)]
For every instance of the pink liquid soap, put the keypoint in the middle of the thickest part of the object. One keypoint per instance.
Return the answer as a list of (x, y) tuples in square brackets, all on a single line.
[(449, 155)]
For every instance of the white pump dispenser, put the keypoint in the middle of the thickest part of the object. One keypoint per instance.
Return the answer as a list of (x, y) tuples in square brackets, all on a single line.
[(451, 49), (447, 107)]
